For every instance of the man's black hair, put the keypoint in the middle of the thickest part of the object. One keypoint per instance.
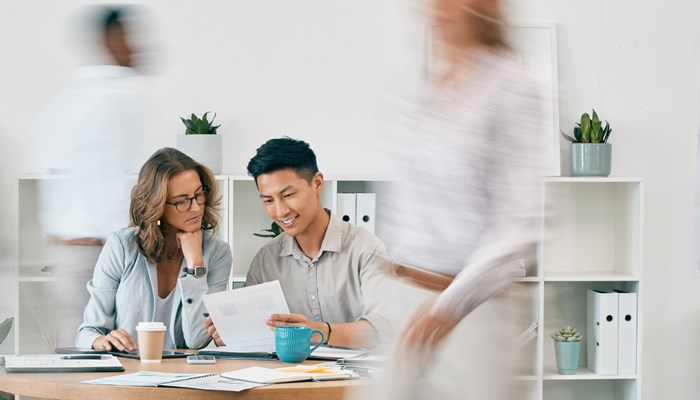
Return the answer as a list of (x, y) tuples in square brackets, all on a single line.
[(112, 17), (282, 153)]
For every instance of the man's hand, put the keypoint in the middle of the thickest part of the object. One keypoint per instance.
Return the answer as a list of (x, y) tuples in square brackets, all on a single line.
[(288, 319), (209, 324), (118, 339), (297, 320)]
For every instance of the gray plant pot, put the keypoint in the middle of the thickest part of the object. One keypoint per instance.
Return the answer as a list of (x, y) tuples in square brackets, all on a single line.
[(591, 159), (205, 149)]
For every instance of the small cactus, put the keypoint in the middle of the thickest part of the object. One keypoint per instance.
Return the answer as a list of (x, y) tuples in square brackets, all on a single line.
[(566, 334)]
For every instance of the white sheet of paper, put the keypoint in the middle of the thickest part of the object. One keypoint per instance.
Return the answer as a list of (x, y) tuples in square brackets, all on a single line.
[(141, 378), (241, 315)]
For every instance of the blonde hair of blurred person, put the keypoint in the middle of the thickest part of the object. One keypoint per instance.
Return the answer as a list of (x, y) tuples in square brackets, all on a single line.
[(464, 214), (465, 24), (170, 244)]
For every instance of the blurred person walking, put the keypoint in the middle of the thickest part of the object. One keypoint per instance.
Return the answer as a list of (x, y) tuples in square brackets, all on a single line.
[(462, 209), (92, 134)]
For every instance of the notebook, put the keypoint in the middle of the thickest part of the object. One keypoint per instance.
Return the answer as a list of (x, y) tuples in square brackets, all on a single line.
[(254, 353), (55, 363), (288, 374), (167, 379)]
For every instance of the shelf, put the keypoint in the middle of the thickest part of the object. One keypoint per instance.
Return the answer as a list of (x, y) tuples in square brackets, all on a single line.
[(531, 378), (527, 279), (48, 278), (574, 179), (588, 276), (582, 374)]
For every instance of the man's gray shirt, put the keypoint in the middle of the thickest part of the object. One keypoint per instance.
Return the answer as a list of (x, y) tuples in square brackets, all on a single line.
[(343, 283)]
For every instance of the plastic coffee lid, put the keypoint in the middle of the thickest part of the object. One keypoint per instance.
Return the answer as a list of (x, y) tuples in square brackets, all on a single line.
[(150, 326)]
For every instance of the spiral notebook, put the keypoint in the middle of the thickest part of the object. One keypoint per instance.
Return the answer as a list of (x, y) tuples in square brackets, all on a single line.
[(165, 379)]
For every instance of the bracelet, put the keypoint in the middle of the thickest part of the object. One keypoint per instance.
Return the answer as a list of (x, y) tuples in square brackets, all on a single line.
[(328, 339)]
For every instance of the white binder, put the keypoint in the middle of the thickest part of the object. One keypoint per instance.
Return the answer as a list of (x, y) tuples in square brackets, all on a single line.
[(627, 333), (602, 332), (366, 206), (346, 207)]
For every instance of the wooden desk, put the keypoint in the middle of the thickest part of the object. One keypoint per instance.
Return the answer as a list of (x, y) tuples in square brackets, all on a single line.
[(67, 386)]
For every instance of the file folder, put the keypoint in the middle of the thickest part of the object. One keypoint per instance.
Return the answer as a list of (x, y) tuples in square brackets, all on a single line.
[(366, 206), (627, 333), (602, 332), (346, 207)]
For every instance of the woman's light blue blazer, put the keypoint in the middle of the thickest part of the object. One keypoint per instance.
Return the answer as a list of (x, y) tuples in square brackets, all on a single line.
[(124, 287)]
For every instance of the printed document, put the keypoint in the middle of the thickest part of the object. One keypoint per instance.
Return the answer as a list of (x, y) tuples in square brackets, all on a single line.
[(241, 315)]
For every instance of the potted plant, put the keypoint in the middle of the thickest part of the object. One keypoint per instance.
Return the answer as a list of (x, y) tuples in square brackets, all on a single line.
[(201, 142), (567, 347), (591, 155), (272, 232)]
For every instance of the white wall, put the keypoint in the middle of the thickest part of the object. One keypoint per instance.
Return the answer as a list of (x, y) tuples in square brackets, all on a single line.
[(313, 69)]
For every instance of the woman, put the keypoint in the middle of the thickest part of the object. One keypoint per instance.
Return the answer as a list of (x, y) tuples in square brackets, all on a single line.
[(465, 159), (152, 271)]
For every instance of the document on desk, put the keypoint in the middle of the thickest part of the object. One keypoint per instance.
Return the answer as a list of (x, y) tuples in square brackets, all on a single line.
[(241, 315), (166, 379)]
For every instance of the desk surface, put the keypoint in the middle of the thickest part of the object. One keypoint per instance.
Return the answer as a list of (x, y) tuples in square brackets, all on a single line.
[(67, 386)]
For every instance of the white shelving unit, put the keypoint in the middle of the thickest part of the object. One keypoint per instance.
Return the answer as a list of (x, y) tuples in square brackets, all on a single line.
[(591, 239), (241, 214)]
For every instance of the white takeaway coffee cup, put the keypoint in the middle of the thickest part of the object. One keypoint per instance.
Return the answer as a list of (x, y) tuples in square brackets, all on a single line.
[(150, 338)]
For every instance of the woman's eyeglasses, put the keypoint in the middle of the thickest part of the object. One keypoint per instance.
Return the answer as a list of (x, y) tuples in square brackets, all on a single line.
[(186, 204)]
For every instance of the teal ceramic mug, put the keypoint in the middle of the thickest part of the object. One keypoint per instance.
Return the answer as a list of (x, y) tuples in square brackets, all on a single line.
[(293, 343)]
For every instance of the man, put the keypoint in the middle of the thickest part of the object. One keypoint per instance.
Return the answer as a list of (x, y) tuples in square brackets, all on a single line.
[(331, 272), (88, 132)]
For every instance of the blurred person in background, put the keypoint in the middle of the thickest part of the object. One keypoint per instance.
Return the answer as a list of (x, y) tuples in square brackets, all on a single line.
[(461, 211), (93, 134), (159, 268)]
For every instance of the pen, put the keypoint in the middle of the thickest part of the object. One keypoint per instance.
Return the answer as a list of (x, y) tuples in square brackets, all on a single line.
[(82, 357)]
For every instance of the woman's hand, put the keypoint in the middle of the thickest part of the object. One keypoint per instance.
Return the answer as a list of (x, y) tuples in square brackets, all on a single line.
[(118, 339), (191, 245), (209, 324)]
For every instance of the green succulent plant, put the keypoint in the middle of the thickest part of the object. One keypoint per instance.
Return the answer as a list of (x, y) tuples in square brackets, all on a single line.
[(200, 126), (590, 130), (273, 231), (566, 334)]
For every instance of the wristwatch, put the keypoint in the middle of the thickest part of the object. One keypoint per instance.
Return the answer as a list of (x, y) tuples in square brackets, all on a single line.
[(197, 271)]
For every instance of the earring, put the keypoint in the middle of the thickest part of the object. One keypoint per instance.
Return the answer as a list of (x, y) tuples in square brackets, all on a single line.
[(158, 222)]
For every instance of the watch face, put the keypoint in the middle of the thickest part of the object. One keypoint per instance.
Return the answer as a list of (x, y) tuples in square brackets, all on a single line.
[(199, 272)]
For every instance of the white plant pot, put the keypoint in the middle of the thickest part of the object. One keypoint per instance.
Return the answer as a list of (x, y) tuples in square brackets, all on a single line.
[(205, 149)]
